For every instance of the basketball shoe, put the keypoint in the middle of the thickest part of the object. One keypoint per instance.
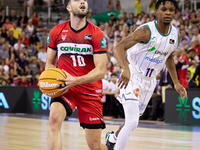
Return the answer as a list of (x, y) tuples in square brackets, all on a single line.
[(109, 145)]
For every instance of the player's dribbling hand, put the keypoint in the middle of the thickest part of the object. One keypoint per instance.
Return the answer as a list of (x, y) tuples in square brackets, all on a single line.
[(181, 90), (70, 81), (124, 78)]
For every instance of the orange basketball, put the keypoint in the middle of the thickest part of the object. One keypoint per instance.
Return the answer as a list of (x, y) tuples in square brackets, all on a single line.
[(48, 82)]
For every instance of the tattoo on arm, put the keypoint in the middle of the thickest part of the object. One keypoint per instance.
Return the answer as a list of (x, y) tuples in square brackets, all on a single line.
[(139, 35)]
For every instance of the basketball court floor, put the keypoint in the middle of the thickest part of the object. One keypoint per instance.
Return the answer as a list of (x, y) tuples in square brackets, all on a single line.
[(29, 132)]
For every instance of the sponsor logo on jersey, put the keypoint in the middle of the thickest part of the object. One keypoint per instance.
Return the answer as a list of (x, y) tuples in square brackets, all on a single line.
[(76, 49), (103, 43), (88, 37), (64, 30), (157, 61), (47, 84), (161, 53), (171, 41), (48, 39), (136, 92), (152, 49), (64, 36)]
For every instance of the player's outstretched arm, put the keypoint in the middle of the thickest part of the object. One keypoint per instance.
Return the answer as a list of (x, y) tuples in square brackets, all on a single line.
[(140, 35), (172, 71), (51, 58)]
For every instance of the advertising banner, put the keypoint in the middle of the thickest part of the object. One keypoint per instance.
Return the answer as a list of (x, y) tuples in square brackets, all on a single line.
[(12, 99), (185, 111)]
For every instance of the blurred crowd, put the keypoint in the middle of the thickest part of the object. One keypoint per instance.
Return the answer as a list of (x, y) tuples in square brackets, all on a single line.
[(23, 52)]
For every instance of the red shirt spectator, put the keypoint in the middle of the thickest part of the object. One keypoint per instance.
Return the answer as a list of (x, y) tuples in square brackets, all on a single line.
[(25, 40), (24, 81)]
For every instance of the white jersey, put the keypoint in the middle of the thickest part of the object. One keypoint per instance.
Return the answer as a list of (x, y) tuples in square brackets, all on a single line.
[(147, 59)]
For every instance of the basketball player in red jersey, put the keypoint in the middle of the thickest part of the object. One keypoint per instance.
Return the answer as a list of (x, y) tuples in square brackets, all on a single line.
[(79, 48), (183, 65)]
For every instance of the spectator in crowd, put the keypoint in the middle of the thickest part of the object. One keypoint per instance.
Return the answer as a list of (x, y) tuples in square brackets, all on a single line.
[(130, 20), (22, 20), (191, 83), (113, 110), (118, 6), (196, 45), (152, 6), (34, 18), (41, 66), (187, 13), (18, 47), (3, 18), (62, 20), (2, 39), (28, 3), (90, 19), (42, 55), (183, 35), (39, 29), (10, 61), (24, 80), (24, 39), (7, 24), (183, 44), (110, 5), (13, 75), (36, 79), (29, 28), (192, 67), (125, 17), (195, 35), (12, 16), (176, 21), (11, 39), (4, 51), (140, 20), (21, 62), (4, 32), (4, 67), (138, 6), (183, 65), (34, 39), (16, 31)]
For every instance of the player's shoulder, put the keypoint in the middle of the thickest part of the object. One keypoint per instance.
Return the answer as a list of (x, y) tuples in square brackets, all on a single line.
[(59, 27), (95, 29)]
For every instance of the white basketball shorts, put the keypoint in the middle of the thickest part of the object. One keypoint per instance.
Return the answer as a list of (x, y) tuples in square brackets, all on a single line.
[(138, 89)]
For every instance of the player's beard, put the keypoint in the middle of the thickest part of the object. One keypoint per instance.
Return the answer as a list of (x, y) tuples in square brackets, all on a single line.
[(166, 23), (79, 14)]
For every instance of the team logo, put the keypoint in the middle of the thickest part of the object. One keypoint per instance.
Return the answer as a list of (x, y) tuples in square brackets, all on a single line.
[(64, 36), (171, 41), (48, 39), (136, 92), (103, 43), (88, 37)]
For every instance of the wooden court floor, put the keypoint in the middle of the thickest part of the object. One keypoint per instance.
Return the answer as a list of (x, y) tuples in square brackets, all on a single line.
[(17, 133)]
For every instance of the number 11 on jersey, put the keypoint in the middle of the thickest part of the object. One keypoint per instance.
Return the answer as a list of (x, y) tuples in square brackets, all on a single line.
[(149, 72)]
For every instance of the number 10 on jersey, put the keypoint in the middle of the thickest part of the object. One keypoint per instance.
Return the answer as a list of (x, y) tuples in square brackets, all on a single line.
[(79, 59), (149, 72)]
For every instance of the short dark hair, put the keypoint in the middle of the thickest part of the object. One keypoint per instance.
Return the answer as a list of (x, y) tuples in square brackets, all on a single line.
[(163, 1), (191, 51), (113, 74)]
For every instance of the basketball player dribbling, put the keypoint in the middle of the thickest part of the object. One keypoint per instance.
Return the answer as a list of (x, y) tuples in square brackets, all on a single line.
[(149, 47), (79, 48)]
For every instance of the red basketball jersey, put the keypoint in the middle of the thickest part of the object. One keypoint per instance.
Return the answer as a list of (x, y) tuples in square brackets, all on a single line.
[(76, 49), (183, 71)]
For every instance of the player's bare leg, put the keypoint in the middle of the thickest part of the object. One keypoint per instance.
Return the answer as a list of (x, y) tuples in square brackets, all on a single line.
[(93, 138), (56, 117)]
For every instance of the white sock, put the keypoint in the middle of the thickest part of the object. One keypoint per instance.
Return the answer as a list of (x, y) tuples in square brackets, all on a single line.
[(131, 111), (112, 138)]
